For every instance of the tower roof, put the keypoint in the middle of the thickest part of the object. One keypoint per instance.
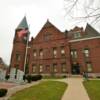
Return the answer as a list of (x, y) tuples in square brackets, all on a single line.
[(23, 23), (91, 31)]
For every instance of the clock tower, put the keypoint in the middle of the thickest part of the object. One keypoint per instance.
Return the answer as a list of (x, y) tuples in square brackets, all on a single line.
[(20, 43)]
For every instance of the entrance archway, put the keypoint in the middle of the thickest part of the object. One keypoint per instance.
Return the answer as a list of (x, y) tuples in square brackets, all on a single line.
[(76, 69)]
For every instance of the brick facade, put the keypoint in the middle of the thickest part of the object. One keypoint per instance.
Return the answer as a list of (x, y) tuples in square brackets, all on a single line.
[(53, 52), (50, 41)]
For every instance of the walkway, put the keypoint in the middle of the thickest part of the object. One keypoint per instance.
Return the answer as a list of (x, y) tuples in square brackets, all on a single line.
[(13, 90), (75, 90)]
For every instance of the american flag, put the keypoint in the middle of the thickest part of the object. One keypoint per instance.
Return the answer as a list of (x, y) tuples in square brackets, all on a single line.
[(22, 32)]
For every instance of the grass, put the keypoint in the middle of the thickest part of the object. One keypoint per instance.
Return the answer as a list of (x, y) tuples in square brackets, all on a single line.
[(93, 89), (46, 90)]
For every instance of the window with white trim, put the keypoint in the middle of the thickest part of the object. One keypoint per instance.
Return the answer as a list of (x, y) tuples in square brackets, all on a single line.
[(89, 66), (34, 68), (77, 35), (55, 68), (86, 52), (40, 68), (74, 53), (47, 68), (41, 53), (62, 51), (63, 67), (54, 52)]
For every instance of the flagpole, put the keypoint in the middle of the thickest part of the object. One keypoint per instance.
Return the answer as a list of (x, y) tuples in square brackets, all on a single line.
[(26, 51)]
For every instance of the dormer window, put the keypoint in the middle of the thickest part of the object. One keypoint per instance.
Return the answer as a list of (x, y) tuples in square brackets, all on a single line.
[(77, 35)]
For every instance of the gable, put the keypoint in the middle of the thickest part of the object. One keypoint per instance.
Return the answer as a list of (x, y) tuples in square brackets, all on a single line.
[(90, 31), (49, 32)]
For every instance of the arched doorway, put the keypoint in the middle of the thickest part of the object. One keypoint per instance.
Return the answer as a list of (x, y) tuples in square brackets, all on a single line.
[(76, 68)]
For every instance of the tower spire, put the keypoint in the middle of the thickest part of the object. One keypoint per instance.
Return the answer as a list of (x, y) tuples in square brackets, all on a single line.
[(23, 24)]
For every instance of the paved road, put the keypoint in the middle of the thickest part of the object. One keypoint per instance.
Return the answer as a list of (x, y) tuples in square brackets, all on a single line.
[(75, 90)]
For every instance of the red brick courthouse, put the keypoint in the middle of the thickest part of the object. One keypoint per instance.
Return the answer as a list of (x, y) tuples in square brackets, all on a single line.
[(53, 52)]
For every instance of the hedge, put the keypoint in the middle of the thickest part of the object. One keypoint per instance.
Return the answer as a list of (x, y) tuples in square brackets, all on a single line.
[(3, 92)]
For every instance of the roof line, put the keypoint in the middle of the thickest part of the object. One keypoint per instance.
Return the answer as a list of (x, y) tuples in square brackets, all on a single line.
[(96, 37)]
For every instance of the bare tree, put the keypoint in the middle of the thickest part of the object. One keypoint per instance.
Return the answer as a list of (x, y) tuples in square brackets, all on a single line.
[(83, 10)]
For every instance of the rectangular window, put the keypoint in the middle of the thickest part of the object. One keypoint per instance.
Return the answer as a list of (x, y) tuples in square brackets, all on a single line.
[(34, 53), (63, 67), (34, 68), (40, 68), (74, 53), (18, 57), (41, 53), (55, 68), (86, 52), (62, 51), (47, 36), (54, 52), (47, 68), (89, 66)]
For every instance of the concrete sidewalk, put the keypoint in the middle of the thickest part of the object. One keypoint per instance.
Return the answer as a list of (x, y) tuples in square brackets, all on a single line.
[(75, 90)]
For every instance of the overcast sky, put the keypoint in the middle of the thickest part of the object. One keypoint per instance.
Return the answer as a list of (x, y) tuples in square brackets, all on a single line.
[(37, 12)]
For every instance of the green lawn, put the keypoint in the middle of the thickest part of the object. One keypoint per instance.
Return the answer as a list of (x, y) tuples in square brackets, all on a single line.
[(93, 89), (46, 90)]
